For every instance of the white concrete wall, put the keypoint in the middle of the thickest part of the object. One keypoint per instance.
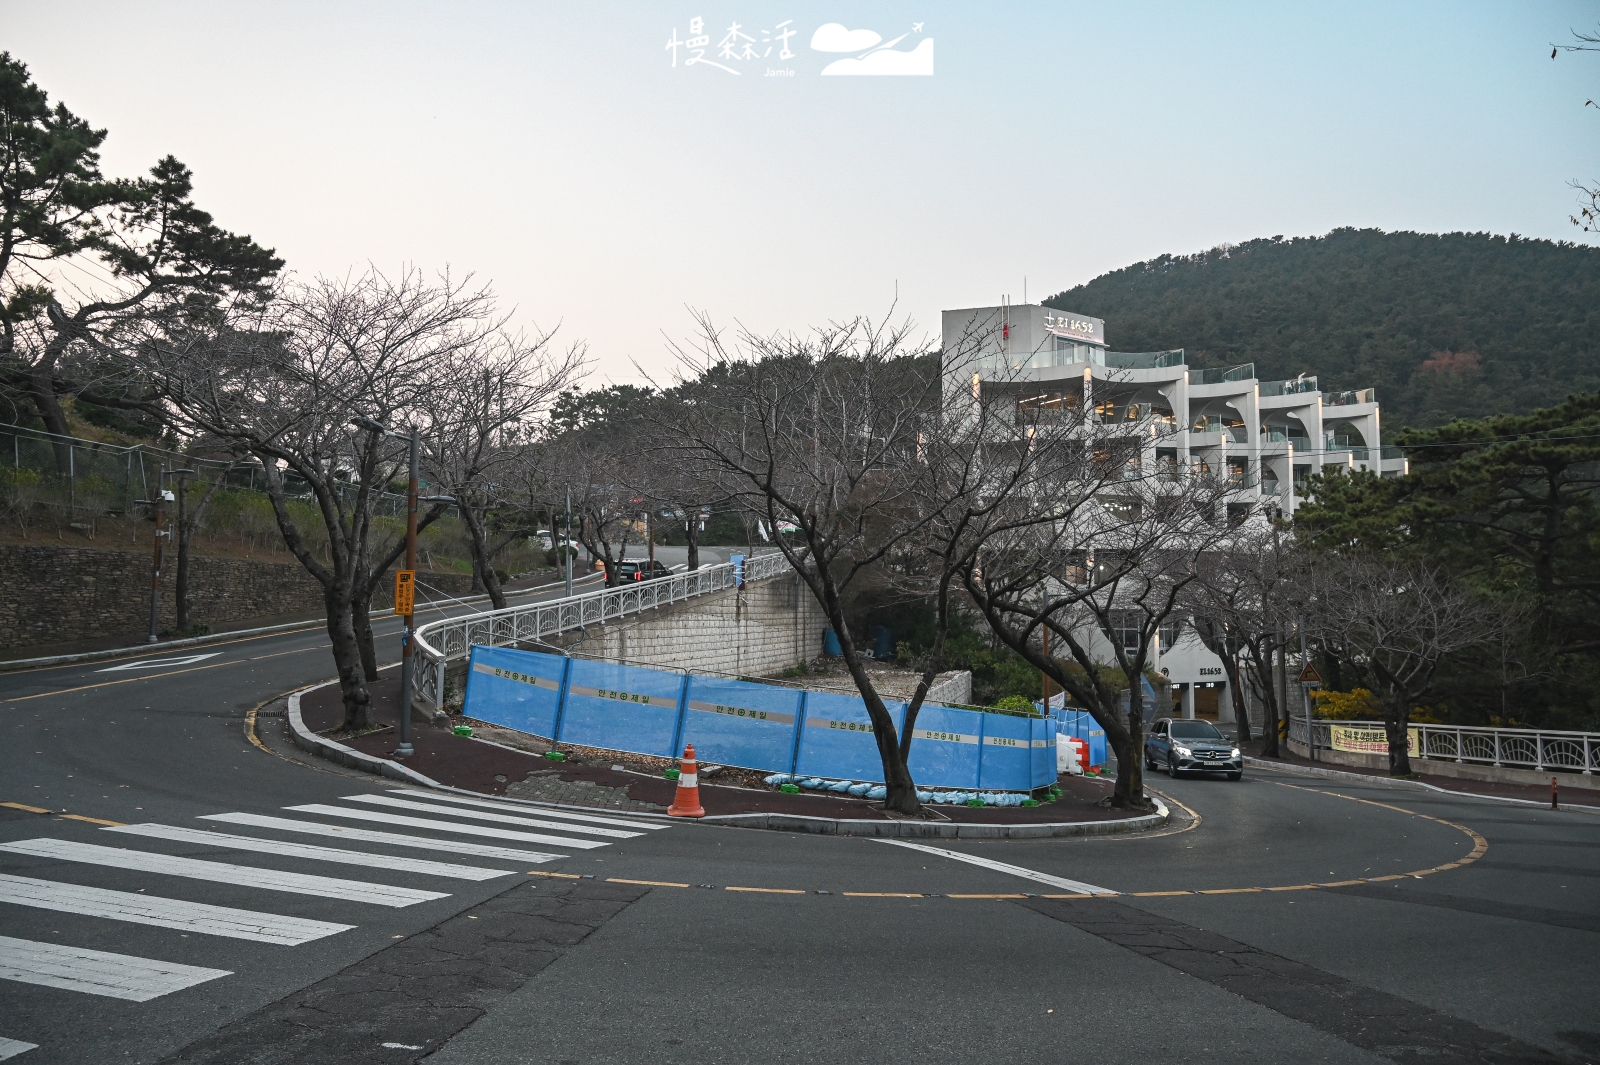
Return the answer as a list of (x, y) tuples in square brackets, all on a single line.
[(755, 630)]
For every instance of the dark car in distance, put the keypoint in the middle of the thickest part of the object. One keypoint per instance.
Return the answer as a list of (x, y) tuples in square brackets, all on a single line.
[(1181, 745), (641, 570)]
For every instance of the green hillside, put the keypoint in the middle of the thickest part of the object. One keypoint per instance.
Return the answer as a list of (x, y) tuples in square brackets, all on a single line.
[(1445, 326)]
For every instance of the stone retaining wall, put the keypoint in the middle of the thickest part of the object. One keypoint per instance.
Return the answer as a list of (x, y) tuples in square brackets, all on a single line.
[(58, 594)]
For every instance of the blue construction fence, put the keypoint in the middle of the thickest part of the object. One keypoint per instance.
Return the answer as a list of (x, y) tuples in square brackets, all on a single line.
[(754, 726)]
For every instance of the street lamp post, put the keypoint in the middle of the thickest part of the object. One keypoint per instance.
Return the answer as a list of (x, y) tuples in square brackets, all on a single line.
[(162, 495), (407, 660)]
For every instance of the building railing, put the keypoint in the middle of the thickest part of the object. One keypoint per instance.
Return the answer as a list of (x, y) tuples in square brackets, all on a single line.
[(1288, 388), (1222, 374), (1345, 399), (1515, 748), (450, 639), (1145, 360)]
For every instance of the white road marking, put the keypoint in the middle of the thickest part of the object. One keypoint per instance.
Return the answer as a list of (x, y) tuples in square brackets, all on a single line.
[(10, 1048), (532, 822), (95, 972), (311, 852), (150, 663), (223, 873), (1077, 887), (445, 826), (164, 913), (367, 835), (540, 810)]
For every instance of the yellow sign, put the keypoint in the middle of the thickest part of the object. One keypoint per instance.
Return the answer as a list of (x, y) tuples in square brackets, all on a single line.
[(403, 593), (1369, 739)]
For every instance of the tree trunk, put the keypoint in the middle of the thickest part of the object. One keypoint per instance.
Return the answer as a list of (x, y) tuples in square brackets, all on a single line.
[(1129, 790), (1396, 723), (482, 565), (692, 527), (347, 658), (41, 390), (361, 626), (1269, 706), (1241, 713)]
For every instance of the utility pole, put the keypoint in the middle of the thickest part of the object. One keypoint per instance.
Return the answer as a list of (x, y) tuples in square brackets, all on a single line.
[(406, 579), (566, 546), (407, 659), (1305, 689), (181, 587), (1044, 678), (155, 562)]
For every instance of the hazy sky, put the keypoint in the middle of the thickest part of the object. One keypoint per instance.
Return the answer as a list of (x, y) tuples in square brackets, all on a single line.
[(556, 149)]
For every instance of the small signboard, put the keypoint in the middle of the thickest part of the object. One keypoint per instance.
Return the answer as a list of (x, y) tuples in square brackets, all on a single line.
[(404, 597), (1309, 675)]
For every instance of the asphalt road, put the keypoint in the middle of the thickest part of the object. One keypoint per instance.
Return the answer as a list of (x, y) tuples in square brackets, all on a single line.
[(800, 948)]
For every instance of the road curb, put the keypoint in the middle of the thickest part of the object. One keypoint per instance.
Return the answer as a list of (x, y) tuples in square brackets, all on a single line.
[(1334, 774), (1362, 778), (309, 741), (830, 826)]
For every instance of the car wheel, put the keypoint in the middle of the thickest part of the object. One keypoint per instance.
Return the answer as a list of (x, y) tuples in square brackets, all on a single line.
[(1149, 763), (1172, 768), (1236, 776)]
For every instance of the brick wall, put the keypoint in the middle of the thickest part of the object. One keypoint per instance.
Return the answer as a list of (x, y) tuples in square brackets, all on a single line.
[(58, 594)]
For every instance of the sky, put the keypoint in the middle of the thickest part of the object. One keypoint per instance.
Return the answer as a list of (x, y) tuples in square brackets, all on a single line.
[(609, 186)]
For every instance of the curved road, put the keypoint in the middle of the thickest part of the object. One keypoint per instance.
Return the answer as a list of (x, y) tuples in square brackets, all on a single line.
[(642, 943)]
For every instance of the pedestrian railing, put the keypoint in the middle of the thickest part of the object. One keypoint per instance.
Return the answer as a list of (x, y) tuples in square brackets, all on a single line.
[(452, 639), (1516, 748)]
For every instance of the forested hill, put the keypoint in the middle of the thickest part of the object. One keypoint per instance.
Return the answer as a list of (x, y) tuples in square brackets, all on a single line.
[(1444, 326)]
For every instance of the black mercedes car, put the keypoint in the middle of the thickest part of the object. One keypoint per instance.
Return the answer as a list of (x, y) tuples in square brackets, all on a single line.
[(1179, 745)]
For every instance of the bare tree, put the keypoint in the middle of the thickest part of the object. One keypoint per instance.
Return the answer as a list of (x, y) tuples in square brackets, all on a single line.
[(1104, 576), (1237, 612), (284, 385), (481, 404), (1398, 619), (840, 444)]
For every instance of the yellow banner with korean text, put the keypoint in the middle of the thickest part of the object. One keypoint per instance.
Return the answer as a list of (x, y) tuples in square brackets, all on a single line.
[(1371, 739)]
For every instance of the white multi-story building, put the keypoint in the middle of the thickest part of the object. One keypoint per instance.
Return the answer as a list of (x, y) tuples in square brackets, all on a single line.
[(1266, 437)]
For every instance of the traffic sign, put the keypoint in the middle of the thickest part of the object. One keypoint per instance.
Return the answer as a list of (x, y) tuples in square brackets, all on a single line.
[(404, 597), (1309, 675)]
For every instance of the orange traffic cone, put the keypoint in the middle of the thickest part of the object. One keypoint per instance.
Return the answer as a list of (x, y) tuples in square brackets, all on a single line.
[(687, 802)]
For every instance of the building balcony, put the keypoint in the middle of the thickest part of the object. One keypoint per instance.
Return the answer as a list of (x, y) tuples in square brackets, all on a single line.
[(1350, 398)]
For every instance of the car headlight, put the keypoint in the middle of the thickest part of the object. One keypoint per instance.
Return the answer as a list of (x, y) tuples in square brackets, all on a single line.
[(1234, 753), (1186, 752)]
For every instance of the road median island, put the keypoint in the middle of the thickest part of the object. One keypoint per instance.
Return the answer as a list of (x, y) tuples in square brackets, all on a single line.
[(591, 780)]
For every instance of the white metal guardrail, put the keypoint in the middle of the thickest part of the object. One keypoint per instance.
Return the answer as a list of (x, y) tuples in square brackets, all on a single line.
[(1515, 748), (441, 642)]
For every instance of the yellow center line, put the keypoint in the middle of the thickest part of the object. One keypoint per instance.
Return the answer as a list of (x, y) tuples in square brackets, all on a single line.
[(1157, 894), (558, 876), (93, 820), (26, 808), (297, 650), (646, 883), (1013, 896), (769, 890)]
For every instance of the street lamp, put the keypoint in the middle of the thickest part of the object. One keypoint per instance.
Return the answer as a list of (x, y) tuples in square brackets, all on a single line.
[(407, 663)]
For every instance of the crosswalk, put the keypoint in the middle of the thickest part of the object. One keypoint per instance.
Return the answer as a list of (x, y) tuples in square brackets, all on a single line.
[(498, 834)]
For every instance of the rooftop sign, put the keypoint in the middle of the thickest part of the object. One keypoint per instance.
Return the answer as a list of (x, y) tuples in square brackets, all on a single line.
[(1076, 326)]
